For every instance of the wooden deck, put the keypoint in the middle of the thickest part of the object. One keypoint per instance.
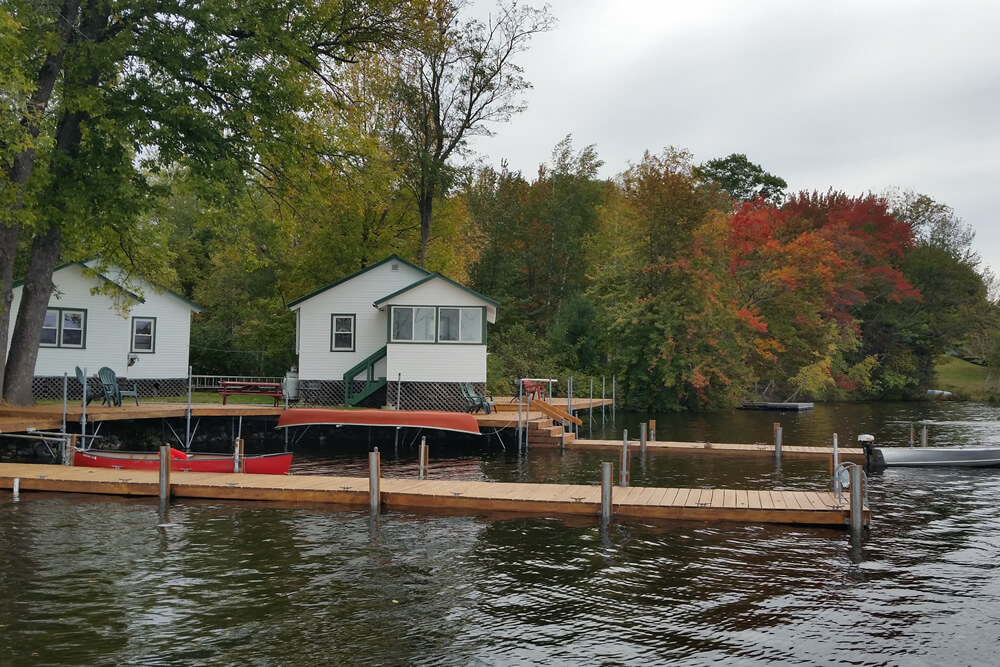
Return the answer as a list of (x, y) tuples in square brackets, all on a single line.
[(48, 417), (461, 497), (855, 454)]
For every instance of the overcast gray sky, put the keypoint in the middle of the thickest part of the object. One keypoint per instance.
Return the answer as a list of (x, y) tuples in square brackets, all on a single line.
[(858, 96)]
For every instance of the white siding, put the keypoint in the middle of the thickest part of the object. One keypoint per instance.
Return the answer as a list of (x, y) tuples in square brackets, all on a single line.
[(355, 296), (437, 363), (109, 330)]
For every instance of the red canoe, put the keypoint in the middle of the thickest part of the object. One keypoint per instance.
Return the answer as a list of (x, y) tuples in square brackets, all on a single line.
[(444, 421), (268, 464)]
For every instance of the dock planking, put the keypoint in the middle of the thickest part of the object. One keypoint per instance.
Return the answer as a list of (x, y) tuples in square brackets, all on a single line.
[(855, 454), (458, 496)]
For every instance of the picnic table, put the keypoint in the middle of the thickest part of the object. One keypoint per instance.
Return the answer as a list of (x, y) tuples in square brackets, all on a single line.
[(230, 388)]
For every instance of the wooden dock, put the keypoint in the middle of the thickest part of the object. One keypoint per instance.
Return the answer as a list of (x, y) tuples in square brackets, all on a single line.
[(461, 497), (49, 417), (853, 454)]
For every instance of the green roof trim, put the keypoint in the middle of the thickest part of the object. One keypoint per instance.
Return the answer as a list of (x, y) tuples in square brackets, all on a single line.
[(83, 264), (368, 268), (432, 277)]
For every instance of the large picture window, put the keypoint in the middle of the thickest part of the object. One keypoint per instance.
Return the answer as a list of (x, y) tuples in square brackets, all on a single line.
[(64, 327), (460, 325), (342, 333), (144, 334), (413, 324)]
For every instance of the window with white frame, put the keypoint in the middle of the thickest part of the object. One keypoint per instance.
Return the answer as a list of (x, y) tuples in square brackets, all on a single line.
[(413, 324), (64, 327), (144, 334), (342, 333), (460, 325)]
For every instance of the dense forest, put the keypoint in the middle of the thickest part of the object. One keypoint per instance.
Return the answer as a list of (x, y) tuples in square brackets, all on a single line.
[(246, 153)]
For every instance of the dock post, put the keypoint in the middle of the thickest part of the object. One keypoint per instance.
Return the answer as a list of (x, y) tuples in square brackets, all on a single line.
[(642, 438), (399, 382), (912, 436), (613, 378), (70, 452), (569, 402), (590, 415), (65, 398), (652, 430), (623, 473), (17, 487), (422, 458), (187, 428), (857, 502), (606, 467), (164, 474), (527, 421), (777, 444), (374, 475), (520, 400), (923, 436), (836, 452), (604, 384), (83, 408), (242, 454)]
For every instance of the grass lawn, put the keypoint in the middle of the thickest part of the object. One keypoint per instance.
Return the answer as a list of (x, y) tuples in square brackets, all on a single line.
[(960, 377)]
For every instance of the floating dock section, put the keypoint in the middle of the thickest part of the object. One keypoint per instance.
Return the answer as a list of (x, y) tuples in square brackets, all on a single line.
[(464, 497)]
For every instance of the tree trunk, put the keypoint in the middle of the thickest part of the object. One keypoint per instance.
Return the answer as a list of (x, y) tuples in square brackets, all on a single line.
[(425, 206), (19, 171), (28, 328)]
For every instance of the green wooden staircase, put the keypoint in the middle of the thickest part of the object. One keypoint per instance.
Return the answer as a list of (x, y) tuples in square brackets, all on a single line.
[(372, 383)]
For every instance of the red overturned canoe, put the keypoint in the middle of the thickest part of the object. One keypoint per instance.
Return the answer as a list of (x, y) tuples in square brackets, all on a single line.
[(267, 464), (461, 422)]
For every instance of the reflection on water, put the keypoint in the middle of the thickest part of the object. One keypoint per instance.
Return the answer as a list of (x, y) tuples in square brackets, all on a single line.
[(92, 580)]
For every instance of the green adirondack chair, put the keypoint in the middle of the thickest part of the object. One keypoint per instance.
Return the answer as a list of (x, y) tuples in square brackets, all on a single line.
[(111, 389)]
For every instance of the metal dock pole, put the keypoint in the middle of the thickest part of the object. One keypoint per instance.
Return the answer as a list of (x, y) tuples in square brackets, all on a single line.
[(374, 476), (17, 487), (164, 474), (606, 467), (836, 452), (62, 429), (652, 430), (912, 436), (642, 438), (83, 410), (613, 378), (187, 428), (569, 402), (623, 473), (520, 400), (777, 444), (604, 384), (422, 459), (923, 436), (857, 500)]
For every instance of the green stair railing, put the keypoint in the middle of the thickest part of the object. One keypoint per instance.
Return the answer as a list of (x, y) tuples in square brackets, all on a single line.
[(372, 383)]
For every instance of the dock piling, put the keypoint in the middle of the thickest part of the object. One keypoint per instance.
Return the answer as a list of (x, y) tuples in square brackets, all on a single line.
[(777, 444), (17, 487), (642, 438), (606, 468), (912, 435), (164, 474), (623, 473), (604, 384), (923, 436), (857, 502), (652, 430), (374, 477), (422, 458)]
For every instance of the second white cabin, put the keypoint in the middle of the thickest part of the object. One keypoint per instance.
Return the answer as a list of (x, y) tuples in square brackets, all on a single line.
[(392, 330)]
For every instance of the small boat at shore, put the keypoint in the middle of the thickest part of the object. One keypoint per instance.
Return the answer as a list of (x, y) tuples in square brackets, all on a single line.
[(461, 422), (266, 464)]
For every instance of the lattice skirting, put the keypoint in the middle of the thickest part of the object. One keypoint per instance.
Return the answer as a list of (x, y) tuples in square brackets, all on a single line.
[(412, 395), (52, 387)]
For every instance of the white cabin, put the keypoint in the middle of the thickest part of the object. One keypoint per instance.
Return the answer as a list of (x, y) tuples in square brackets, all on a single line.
[(391, 322), (144, 337)]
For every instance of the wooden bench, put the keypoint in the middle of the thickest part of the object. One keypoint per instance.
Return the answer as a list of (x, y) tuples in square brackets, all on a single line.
[(272, 389)]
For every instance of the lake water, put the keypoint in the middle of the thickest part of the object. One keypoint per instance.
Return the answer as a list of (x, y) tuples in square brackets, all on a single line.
[(96, 580)]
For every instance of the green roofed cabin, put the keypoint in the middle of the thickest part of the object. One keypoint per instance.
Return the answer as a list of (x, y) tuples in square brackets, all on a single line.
[(392, 322)]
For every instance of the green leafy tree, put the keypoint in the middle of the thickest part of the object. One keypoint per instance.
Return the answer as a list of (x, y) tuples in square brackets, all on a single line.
[(224, 87), (743, 180)]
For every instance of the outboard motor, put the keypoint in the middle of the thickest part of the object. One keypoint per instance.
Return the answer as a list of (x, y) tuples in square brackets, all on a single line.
[(867, 444)]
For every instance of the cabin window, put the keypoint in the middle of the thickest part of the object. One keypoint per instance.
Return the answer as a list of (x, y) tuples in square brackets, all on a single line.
[(413, 324), (63, 327), (342, 333), (144, 334), (460, 325)]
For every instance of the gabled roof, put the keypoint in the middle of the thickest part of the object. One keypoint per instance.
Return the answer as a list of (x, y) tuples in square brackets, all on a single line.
[(429, 278), (390, 258), (83, 264)]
